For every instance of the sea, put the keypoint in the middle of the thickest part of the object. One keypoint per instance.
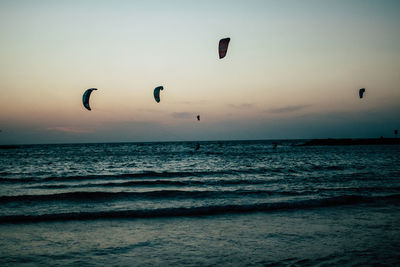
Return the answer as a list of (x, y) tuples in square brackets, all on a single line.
[(210, 203)]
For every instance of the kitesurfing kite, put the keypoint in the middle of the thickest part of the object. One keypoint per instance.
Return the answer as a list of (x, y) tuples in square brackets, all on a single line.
[(361, 92), (86, 96), (157, 93), (223, 47)]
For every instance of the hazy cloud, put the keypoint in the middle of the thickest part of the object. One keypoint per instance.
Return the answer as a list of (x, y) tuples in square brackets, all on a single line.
[(288, 109), (242, 106), (67, 129), (182, 115)]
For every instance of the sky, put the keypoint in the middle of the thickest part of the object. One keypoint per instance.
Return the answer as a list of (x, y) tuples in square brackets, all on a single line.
[(292, 71)]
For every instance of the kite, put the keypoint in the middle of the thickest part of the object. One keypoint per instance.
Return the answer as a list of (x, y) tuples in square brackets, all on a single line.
[(157, 93), (86, 96), (223, 47), (361, 92)]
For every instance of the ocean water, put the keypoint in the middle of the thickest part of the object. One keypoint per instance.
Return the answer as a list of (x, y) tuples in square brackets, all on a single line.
[(229, 203)]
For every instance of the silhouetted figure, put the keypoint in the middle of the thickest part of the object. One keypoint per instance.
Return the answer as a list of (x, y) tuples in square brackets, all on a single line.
[(395, 133), (275, 145), (197, 146), (198, 117)]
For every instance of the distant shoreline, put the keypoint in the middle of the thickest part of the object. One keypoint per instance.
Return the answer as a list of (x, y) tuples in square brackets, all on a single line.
[(299, 142), (350, 142), (9, 146)]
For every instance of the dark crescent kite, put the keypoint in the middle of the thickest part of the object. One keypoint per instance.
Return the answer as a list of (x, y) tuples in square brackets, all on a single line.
[(157, 93), (361, 92), (86, 97)]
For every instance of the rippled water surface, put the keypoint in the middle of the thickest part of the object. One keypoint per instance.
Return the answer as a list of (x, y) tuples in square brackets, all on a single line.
[(269, 205)]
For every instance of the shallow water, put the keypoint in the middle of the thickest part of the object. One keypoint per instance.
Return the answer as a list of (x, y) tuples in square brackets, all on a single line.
[(351, 235), (240, 203)]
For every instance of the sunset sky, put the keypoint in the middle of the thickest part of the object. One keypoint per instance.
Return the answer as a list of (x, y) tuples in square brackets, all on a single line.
[(293, 70)]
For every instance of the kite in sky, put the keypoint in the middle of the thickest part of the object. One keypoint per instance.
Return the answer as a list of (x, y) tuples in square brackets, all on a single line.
[(223, 47), (157, 93), (86, 97)]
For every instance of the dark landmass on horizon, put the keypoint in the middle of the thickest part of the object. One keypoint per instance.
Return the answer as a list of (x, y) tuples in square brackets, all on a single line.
[(350, 142), (9, 146)]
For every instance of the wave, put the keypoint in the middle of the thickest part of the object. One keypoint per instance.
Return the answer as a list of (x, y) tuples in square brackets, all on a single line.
[(159, 183), (184, 174), (328, 168), (98, 196), (145, 174), (203, 211), (159, 194)]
